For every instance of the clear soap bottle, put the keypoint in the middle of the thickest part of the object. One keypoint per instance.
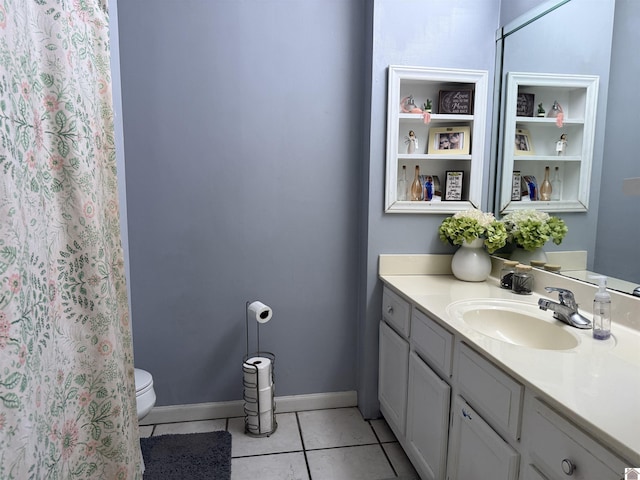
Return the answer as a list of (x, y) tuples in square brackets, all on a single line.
[(601, 310)]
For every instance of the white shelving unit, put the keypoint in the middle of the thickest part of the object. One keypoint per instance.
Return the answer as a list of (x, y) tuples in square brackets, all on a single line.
[(577, 95), (426, 83)]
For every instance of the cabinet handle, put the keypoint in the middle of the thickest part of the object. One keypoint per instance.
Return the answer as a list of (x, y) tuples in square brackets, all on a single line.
[(389, 309), (568, 467), (465, 414)]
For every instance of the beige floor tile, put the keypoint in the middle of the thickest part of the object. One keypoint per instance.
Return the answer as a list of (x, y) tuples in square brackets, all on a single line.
[(286, 438), (338, 427), (400, 461), (280, 466), (366, 462), (383, 431)]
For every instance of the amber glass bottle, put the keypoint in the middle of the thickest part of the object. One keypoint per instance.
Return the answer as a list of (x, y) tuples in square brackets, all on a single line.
[(545, 188), (416, 187)]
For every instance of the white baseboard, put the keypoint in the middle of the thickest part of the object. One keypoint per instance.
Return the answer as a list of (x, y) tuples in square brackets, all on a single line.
[(208, 411)]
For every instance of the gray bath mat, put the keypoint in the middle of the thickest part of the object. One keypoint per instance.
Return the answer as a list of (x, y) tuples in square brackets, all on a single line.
[(194, 456)]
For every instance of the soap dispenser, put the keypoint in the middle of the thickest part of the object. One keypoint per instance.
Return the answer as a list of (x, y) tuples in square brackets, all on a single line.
[(601, 309)]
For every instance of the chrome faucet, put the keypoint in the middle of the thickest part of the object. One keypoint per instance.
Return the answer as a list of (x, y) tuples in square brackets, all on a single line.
[(567, 310)]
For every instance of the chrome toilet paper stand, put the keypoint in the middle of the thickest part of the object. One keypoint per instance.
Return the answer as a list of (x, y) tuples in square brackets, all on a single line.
[(254, 423)]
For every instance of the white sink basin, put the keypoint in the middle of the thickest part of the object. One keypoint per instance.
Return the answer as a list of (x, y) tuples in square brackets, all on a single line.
[(517, 323)]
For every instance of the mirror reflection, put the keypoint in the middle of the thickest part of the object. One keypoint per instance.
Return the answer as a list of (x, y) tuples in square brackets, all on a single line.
[(588, 37)]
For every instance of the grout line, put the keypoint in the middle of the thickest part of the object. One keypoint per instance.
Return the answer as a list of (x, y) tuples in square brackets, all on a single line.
[(384, 452), (304, 450)]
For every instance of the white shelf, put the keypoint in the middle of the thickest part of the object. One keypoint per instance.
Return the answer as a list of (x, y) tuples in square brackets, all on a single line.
[(577, 94), (426, 83)]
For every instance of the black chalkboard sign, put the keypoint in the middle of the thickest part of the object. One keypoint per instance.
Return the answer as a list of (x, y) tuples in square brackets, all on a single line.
[(456, 101), (524, 106)]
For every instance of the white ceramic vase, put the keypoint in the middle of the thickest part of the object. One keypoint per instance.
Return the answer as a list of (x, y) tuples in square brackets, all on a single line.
[(525, 256), (471, 262)]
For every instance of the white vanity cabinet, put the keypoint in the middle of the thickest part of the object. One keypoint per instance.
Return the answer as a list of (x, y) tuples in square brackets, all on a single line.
[(392, 378), (556, 449), (463, 111), (461, 409), (429, 396), (417, 380), (531, 142), (427, 419), (476, 450)]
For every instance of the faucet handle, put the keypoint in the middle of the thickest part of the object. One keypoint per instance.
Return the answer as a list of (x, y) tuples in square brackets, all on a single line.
[(565, 296)]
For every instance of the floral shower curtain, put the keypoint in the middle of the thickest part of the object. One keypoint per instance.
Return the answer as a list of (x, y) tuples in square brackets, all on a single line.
[(67, 388)]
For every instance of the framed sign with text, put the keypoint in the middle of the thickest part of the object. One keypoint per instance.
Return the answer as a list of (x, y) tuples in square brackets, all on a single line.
[(453, 185)]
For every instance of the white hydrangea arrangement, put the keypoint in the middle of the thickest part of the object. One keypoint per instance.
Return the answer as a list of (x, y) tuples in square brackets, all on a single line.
[(471, 225), (531, 229)]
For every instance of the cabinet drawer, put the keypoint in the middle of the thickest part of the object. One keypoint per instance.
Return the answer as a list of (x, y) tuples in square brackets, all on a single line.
[(396, 311), (495, 394), (556, 446), (432, 342)]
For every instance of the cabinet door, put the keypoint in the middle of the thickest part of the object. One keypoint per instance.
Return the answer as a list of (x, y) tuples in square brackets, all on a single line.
[(475, 450), (392, 381), (427, 420)]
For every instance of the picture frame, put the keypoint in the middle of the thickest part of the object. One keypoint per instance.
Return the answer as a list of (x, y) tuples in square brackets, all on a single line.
[(523, 144), (456, 102), (454, 140), (525, 105), (516, 193), (453, 185)]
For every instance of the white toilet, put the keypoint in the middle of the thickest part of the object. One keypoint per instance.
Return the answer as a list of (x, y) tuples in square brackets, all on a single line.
[(145, 394)]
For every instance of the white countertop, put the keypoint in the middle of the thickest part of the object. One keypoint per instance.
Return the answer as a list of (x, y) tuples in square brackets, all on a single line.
[(596, 384)]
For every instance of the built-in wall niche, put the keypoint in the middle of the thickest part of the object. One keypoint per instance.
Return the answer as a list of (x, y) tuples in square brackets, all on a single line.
[(576, 97), (446, 145)]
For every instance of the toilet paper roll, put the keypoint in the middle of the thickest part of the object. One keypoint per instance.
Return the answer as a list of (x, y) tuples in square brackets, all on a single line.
[(261, 312), (257, 372), (259, 400), (266, 422)]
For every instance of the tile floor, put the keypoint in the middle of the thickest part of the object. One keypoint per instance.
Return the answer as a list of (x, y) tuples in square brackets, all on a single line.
[(333, 444)]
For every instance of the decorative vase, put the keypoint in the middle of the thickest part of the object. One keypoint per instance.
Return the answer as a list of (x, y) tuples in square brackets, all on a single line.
[(471, 262), (525, 256)]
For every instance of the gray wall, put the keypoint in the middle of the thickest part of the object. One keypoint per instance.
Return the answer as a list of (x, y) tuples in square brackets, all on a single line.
[(618, 224), (456, 34), (254, 143), (243, 128)]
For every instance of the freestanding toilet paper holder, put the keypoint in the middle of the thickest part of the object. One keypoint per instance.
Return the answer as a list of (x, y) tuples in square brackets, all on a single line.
[(259, 386)]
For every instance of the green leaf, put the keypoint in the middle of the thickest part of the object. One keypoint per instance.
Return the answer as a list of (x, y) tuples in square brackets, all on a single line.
[(47, 79), (80, 379), (11, 400), (12, 380), (58, 186), (61, 119), (95, 431), (63, 148), (106, 408)]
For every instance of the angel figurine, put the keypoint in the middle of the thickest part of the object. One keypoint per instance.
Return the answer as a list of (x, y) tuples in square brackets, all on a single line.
[(411, 141), (561, 145)]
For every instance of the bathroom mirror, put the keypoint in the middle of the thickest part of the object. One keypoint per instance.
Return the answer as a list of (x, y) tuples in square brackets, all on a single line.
[(585, 37)]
